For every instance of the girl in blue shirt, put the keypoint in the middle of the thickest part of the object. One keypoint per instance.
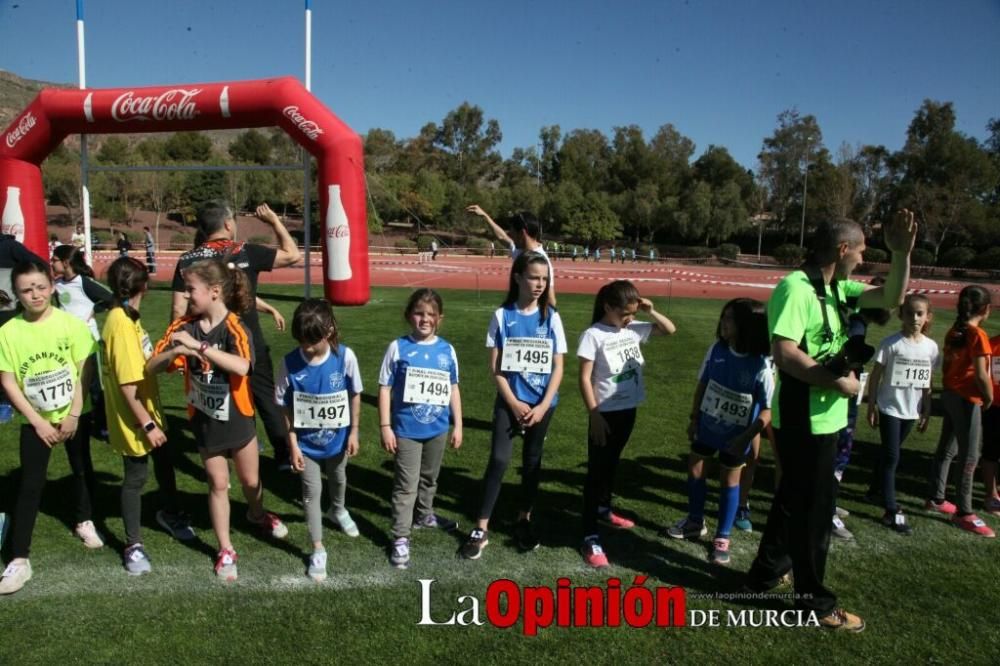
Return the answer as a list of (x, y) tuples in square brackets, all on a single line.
[(732, 404), (418, 393), (319, 387), (527, 345)]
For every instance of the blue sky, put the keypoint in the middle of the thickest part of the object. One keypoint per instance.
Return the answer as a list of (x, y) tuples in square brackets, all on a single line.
[(719, 71)]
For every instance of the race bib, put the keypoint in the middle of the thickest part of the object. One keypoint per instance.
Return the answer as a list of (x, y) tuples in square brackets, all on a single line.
[(621, 352), (730, 407), (424, 386), (862, 385), (532, 355), (212, 400), (49, 391), (911, 373), (327, 411)]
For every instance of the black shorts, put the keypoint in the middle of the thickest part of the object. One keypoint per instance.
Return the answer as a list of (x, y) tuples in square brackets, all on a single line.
[(991, 434), (726, 459)]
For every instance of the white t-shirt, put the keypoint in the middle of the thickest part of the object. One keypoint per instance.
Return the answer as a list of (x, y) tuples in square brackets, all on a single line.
[(617, 372), (515, 253), (906, 364)]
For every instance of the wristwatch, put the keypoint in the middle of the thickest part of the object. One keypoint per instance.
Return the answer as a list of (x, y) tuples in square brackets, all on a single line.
[(149, 427)]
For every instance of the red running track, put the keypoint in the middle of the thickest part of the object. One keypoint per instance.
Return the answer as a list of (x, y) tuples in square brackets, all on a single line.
[(662, 279)]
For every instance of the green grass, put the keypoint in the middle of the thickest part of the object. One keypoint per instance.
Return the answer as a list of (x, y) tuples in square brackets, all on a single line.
[(929, 598)]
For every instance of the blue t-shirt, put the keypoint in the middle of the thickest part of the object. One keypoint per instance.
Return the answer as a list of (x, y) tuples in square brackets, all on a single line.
[(738, 387), (416, 420), (335, 373), (509, 322)]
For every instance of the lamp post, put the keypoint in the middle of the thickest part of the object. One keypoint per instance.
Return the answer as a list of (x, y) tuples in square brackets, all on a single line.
[(805, 184)]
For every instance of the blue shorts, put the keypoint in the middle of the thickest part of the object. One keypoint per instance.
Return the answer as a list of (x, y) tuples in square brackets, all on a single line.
[(726, 459)]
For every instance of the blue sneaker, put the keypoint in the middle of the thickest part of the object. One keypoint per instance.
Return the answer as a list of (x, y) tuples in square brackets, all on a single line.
[(742, 521)]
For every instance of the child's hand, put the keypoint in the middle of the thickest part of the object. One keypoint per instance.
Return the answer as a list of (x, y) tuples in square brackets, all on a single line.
[(279, 321), (295, 458), (388, 440), (456, 438), (68, 426), (645, 305), (352, 444), (924, 421), (48, 433), (873, 417), (185, 341), (534, 416), (599, 428), (156, 437), (520, 410)]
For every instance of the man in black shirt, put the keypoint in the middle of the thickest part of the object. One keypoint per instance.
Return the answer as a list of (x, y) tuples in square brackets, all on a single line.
[(217, 225)]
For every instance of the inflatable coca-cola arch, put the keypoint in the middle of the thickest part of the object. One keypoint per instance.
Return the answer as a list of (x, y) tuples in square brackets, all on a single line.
[(284, 102)]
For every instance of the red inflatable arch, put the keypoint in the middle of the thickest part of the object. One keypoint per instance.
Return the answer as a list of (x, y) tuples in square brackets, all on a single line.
[(284, 102)]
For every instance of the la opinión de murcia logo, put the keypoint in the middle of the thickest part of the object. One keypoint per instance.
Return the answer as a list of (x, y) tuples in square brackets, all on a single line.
[(176, 104), (23, 127), (308, 127)]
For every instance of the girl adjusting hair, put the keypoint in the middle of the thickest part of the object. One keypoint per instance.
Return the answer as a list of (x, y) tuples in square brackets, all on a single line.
[(319, 388), (968, 391), (611, 384), (732, 405), (418, 392), (899, 397), (135, 416), (215, 351), (43, 369), (526, 344)]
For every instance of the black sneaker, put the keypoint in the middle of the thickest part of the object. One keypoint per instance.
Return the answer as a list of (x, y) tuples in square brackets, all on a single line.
[(896, 521), (433, 521), (524, 536), (473, 546)]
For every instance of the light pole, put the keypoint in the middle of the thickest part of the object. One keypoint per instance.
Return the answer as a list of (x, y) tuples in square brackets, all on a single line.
[(805, 184)]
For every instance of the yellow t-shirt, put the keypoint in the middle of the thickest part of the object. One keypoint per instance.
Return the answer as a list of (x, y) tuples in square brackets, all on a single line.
[(125, 348), (45, 357)]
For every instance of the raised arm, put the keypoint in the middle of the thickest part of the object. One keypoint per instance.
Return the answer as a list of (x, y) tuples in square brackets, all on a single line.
[(288, 251), (900, 234), (497, 230)]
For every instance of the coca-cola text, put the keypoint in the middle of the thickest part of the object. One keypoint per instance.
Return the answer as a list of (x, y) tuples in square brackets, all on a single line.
[(176, 104), (340, 231), (23, 127), (308, 127)]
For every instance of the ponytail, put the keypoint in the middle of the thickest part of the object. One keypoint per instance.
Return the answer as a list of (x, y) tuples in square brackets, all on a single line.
[(127, 278), (973, 301), (233, 282), (75, 257)]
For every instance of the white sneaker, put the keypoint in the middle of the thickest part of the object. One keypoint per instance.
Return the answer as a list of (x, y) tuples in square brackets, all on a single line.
[(88, 534), (317, 566), (15, 576), (344, 522)]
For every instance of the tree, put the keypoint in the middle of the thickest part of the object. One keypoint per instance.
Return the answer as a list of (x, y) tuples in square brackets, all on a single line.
[(188, 147), (251, 147), (795, 143), (61, 180), (585, 159), (381, 150), (947, 177), (469, 143)]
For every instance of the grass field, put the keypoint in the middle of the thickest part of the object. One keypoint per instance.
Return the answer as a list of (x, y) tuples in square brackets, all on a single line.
[(931, 598)]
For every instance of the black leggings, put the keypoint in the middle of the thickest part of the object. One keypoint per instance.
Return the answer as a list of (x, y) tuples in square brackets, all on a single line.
[(35, 456), (602, 463), (505, 428), (136, 471)]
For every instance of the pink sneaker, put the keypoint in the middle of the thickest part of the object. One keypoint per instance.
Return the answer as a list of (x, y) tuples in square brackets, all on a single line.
[(593, 554), (614, 520), (973, 523), (945, 507), (270, 525)]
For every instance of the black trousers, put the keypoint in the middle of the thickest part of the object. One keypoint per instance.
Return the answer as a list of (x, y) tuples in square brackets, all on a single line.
[(35, 456), (505, 428), (136, 469), (262, 387), (602, 463), (797, 536)]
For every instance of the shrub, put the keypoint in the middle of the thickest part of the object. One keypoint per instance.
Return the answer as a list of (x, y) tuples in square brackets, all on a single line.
[(183, 239), (922, 257), (696, 252), (478, 245), (728, 250), (789, 254), (405, 245), (957, 257), (424, 243), (874, 255), (990, 259)]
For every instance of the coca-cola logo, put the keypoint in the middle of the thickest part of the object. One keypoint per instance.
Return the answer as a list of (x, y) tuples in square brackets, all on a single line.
[(23, 127), (176, 104), (308, 127), (339, 231)]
